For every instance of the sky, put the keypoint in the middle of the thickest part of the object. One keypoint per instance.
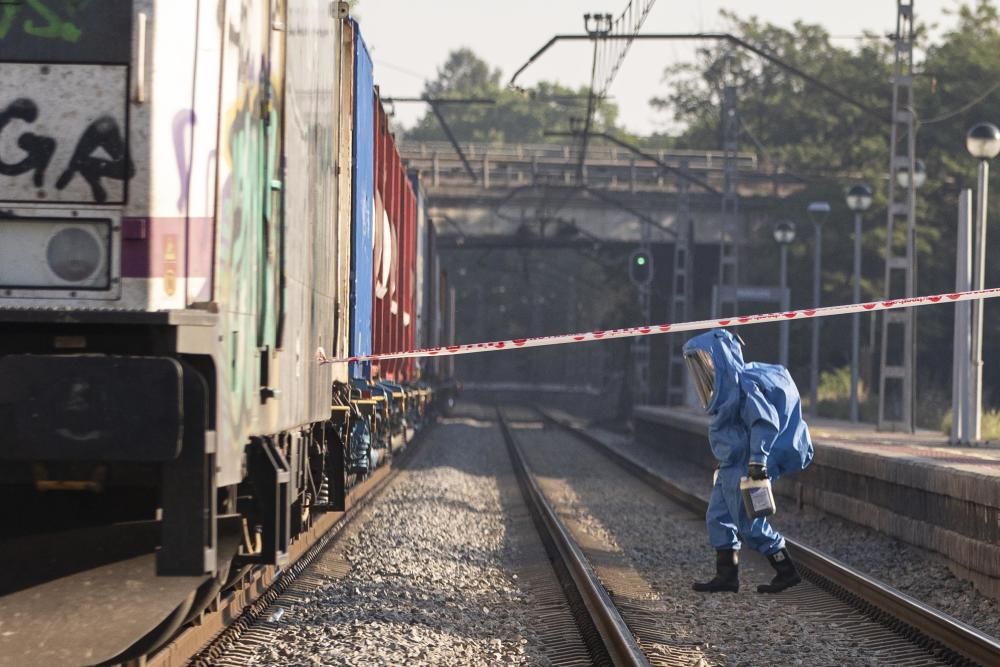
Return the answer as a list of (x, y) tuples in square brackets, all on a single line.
[(410, 39)]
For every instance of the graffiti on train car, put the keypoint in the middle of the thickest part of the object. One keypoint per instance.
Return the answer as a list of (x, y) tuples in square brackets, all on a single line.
[(38, 149), (249, 284), (40, 20), (101, 136), (65, 31)]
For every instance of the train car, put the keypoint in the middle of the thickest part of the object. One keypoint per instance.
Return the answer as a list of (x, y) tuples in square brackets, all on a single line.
[(180, 196), (394, 317), (184, 224), (387, 264)]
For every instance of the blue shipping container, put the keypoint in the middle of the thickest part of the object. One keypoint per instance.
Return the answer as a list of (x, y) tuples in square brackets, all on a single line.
[(363, 204)]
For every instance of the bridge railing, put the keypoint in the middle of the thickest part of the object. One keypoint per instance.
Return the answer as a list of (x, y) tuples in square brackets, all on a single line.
[(608, 167), (596, 153)]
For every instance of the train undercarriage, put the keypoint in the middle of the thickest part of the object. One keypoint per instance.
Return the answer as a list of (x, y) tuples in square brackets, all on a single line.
[(108, 476)]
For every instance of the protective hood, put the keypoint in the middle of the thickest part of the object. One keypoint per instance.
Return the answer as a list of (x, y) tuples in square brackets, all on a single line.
[(727, 357)]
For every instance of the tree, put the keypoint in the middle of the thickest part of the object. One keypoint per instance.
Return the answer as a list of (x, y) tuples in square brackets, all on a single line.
[(832, 144), (517, 117)]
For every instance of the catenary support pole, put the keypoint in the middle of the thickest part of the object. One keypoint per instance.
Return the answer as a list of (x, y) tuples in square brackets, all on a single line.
[(960, 417), (814, 357), (979, 279), (785, 306), (856, 318)]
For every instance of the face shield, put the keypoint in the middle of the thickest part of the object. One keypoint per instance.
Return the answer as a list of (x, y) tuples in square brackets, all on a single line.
[(699, 362)]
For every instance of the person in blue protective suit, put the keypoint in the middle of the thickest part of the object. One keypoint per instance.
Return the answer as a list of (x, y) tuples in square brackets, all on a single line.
[(757, 431)]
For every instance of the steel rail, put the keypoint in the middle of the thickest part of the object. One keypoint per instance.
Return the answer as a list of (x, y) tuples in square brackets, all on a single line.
[(963, 640), (237, 609), (618, 640)]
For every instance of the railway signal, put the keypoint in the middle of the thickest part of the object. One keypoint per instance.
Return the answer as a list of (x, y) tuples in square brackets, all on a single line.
[(640, 267)]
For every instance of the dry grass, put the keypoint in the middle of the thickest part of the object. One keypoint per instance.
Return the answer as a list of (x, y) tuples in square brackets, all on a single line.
[(991, 424)]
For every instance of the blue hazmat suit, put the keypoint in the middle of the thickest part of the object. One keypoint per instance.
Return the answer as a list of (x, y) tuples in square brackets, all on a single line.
[(756, 417)]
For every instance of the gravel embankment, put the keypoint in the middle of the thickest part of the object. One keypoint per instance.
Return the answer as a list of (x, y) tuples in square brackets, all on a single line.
[(425, 575), (668, 546), (915, 571)]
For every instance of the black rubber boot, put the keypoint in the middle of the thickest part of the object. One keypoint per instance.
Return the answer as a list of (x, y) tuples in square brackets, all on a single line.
[(727, 574), (787, 575)]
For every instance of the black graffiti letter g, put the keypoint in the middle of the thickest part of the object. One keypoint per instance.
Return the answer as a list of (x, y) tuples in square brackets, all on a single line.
[(38, 149)]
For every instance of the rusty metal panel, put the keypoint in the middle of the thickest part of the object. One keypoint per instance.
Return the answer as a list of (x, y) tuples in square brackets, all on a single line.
[(64, 133)]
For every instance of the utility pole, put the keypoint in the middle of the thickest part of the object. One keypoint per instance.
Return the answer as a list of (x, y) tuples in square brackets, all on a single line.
[(962, 388), (640, 345), (726, 301), (680, 287), (897, 375)]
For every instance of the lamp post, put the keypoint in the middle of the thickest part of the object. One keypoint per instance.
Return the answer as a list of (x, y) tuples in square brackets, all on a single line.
[(859, 198), (818, 212), (983, 143), (784, 234)]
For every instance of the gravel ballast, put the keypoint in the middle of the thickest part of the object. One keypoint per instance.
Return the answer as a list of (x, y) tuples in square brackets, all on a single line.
[(668, 547), (426, 575), (917, 572)]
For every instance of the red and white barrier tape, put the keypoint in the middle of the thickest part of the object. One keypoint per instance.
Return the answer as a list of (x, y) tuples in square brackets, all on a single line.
[(653, 329)]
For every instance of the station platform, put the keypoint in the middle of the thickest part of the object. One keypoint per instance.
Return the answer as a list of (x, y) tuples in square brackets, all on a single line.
[(914, 487)]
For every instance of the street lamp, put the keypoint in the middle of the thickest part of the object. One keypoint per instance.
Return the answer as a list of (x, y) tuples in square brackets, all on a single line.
[(818, 212), (983, 143), (859, 199), (919, 175), (784, 234)]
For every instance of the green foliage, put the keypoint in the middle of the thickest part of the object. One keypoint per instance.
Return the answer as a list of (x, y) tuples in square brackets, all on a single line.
[(836, 384), (831, 144), (834, 393), (828, 143), (517, 117)]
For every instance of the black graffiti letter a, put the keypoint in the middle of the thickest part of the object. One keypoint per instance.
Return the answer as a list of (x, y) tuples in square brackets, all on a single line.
[(104, 134), (39, 149)]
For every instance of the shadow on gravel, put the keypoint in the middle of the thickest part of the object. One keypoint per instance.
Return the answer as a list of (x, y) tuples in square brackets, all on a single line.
[(348, 603)]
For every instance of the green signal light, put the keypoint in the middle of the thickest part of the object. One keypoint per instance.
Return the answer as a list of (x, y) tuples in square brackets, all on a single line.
[(641, 261)]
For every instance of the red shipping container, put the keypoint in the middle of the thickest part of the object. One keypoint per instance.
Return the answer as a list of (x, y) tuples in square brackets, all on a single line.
[(393, 315)]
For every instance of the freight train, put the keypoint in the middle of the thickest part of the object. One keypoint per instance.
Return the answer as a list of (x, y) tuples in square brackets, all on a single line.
[(196, 199)]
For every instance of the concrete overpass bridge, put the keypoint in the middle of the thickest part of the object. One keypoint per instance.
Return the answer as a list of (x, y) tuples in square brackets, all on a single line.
[(531, 193), (503, 199)]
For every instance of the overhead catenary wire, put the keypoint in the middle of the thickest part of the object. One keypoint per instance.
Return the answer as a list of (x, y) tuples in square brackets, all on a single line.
[(628, 23), (962, 109), (762, 52)]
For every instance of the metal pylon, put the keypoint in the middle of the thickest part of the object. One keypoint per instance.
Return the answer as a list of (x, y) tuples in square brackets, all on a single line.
[(641, 356), (898, 363), (726, 301), (680, 288)]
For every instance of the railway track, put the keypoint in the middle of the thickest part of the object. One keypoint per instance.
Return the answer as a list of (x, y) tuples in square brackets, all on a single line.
[(237, 609), (608, 635), (598, 608), (912, 624)]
